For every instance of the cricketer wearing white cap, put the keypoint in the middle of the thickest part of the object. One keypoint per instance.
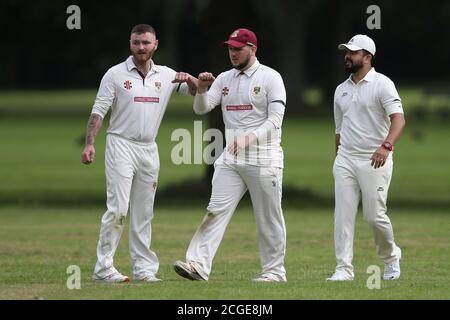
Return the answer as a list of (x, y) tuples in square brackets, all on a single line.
[(252, 97), (369, 120), (137, 91)]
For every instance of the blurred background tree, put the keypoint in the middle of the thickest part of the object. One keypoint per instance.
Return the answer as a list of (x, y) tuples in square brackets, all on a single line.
[(297, 38)]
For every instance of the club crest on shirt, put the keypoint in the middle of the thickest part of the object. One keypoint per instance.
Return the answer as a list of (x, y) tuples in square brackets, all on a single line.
[(157, 86), (256, 91), (344, 94), (128, 85)]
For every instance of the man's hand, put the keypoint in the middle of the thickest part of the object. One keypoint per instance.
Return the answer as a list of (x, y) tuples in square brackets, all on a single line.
[(181, 77), (205, 79), (191, 81), (241, 143), (379, 157), (88, 154)]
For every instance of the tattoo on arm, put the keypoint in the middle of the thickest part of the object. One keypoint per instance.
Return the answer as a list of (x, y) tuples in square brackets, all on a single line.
[(338, 142), (192, 85), (192, 90), (93, 126)]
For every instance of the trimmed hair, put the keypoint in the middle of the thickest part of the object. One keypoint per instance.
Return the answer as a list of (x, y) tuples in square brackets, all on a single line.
[(143, 28), (365, 53)]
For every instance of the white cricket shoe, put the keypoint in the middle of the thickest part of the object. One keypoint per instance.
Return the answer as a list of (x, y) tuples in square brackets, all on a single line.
[(187, 270), (340, 276), (392, 269), (116, 277)]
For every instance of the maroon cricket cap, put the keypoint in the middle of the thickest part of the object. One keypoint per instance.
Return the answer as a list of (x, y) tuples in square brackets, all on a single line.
[(242, 37)]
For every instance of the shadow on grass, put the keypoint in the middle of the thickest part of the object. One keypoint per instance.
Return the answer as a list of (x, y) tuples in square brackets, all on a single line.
[(195, 193)]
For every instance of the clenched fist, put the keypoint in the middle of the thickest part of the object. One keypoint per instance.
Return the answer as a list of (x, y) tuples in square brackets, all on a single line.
[(205, 79), (88, 154)]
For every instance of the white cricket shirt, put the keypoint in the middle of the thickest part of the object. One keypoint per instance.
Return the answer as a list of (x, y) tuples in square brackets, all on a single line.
[(137, 104), (252, 101), (361, 113)]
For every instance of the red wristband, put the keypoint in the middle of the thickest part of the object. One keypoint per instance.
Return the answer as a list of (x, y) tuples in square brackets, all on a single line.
[(388, 145)]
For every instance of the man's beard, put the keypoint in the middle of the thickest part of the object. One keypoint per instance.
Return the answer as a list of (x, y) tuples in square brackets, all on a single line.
[(242, 65), (354, 67), (142, 56)]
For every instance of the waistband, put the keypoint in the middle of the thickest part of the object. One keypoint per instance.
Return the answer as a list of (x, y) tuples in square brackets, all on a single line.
[(139, 143), (359, 156)]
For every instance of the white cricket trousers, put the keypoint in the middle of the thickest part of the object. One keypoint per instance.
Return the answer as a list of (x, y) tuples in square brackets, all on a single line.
[(355, 178), (131, 177), (229, 184)]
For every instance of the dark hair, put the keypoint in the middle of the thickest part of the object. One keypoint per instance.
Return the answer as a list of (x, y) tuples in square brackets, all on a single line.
[(365, 53), (143, 28)]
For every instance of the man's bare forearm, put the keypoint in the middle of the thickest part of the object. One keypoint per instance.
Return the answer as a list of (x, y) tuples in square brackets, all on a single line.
[(192, 83), (93, 127), (396, 128), (338, 142)]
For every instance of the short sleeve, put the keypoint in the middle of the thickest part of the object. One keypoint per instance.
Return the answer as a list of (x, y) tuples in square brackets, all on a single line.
[(105, 95), (389, 97), (337, 114), (182, 88), (275, 89)]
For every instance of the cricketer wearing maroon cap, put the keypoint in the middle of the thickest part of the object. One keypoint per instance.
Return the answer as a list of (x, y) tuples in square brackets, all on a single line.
[(252, 97), (242, 37)]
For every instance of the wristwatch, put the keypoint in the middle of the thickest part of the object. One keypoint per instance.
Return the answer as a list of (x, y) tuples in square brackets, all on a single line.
[(388, 145)]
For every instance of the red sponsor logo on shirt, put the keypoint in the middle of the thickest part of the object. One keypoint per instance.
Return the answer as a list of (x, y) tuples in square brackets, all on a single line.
[(240, 107), (146, 99), (127, 85)]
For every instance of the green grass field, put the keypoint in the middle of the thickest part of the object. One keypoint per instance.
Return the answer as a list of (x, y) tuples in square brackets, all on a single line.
[(51, 206), (39, 244), (41, 156)]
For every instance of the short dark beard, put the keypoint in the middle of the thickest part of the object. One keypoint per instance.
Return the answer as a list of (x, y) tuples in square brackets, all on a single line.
[(149, 56), (353, 68), (243, 65)]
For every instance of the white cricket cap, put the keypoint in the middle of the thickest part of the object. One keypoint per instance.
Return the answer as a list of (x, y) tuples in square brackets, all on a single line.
[(359, 42)]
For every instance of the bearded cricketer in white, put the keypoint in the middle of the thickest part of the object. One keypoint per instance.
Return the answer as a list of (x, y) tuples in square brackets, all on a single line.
[(369, 120), (253, 98)]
